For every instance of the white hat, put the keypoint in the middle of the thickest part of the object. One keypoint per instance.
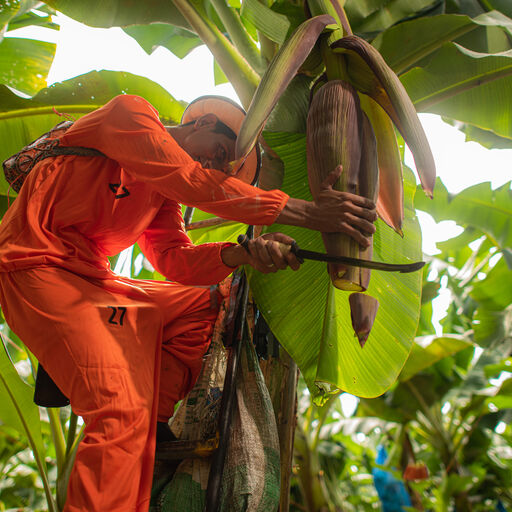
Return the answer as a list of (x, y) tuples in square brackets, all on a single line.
[(232, 115)]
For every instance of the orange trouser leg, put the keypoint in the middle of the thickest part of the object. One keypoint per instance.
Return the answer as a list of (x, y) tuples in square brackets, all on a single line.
[(101, 343), (189, 314)]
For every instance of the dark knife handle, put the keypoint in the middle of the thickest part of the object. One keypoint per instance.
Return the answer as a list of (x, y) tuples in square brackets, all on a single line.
[(243, 240)]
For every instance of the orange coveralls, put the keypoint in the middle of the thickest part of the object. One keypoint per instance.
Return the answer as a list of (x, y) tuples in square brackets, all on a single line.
[(123, 351)]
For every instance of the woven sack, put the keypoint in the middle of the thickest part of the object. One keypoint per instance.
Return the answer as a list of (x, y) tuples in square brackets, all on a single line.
[(251, 477), (196, 419)]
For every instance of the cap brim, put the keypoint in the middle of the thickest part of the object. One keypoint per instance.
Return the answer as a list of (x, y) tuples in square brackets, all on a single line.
[(232, 115)]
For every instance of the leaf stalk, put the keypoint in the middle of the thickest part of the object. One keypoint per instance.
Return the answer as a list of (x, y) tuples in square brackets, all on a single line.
[(239, 72)]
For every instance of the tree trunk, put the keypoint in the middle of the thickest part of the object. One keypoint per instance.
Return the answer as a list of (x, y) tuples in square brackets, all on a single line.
[(281, 376)]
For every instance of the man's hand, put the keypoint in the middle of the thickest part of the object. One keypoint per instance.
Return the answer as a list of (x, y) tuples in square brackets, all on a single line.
[(263, 253), (333, 211)]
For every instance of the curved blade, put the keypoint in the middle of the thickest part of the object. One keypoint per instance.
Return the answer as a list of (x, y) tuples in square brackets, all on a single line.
[(303, 254), (356, 262)]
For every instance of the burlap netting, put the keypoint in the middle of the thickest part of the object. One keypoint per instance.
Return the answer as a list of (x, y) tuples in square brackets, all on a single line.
[(251, 478)]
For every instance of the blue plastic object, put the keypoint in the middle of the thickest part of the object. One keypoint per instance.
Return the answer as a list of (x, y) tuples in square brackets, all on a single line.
[(391, 491)]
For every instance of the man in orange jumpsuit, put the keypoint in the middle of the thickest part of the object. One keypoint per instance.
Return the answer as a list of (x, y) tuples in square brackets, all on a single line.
[(124, 351)]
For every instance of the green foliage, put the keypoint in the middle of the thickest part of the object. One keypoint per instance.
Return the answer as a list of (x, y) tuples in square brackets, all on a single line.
[(176, 39), (447, 409), (451, 407), (449, 89), (323, 345), (24, 63)]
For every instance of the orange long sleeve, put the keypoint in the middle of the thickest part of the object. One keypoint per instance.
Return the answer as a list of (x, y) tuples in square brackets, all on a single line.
[(171, 252), (75, 211), (128, 130)]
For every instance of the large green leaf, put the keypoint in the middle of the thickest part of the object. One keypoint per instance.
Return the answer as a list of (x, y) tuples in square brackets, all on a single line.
[(11, 10), (274, 25), (493, 296), (31, 19), (23, 120), (485, 138), (225, 232), (501, 5), (480, 207), (465, 85), (18, 410), (427, 351), (503, 398), (404, 45), (312, 320), (120, 13), (376, 15), (86, 92), (25, 63), (178, 40)]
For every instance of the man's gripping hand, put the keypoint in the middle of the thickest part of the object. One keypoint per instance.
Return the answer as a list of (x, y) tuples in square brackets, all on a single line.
[(266, 253), (333, 211)]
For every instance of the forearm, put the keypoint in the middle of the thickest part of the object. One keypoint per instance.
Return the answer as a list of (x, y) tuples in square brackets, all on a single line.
[(234, 256), (267, 253), (193, 265), (333, 212), (298, 212)]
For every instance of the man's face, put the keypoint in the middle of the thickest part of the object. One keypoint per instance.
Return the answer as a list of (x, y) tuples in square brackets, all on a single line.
[(212, 150)]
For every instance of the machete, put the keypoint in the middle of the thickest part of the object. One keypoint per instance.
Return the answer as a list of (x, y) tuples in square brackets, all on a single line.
[(303, 254)]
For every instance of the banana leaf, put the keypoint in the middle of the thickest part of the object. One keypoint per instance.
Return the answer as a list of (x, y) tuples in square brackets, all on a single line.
[(19, 412), (493, 296), (25, 63), (177, 40), (406, 44), (377, 15), (503, 397), (427, 351), (12, 10), (23, 120), (479, 207), (119, 13), (312, 320), (464, 85), (274, 25)]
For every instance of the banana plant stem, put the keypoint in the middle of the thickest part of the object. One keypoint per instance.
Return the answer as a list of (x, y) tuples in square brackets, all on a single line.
[(335, 9), (268, 47), (324, 413), (57, 436), (241, 75), (73, 421), (239, 35)]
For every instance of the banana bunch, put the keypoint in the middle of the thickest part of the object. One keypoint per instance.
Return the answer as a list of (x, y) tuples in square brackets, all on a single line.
[(351, 122), (386, 103)]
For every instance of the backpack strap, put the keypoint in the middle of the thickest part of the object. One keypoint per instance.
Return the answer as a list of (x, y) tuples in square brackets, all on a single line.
[(17, 167)]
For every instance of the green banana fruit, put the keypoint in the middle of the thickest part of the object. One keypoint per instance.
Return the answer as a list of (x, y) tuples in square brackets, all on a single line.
[(339, 133)]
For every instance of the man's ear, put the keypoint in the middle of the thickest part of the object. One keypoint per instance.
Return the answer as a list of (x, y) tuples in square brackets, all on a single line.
[(206, 121)]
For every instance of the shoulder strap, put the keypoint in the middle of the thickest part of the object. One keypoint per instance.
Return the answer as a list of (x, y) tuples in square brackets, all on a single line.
[(17, 167)]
